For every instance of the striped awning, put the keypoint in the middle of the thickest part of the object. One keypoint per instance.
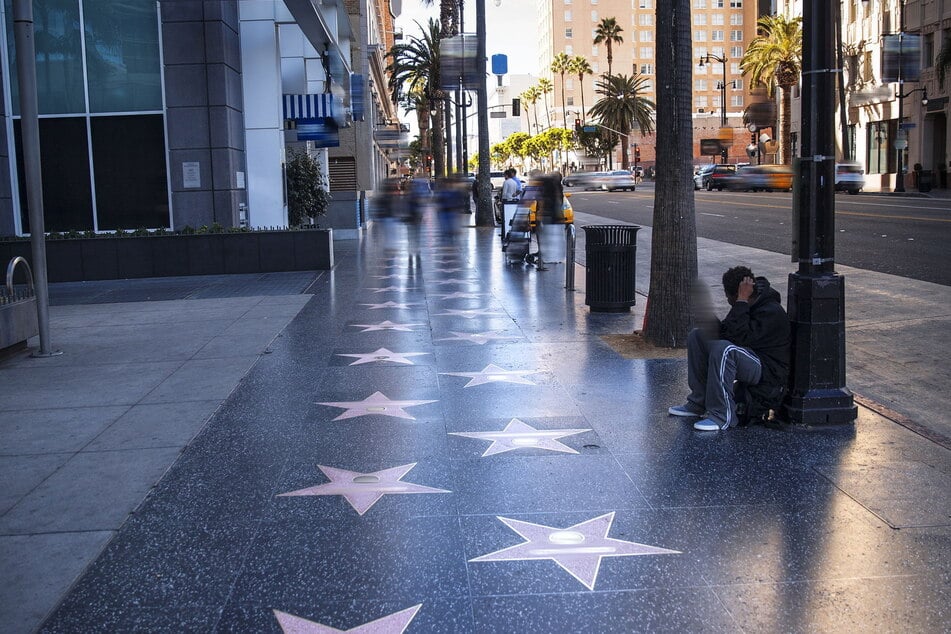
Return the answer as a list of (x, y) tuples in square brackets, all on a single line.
[(308, 106)]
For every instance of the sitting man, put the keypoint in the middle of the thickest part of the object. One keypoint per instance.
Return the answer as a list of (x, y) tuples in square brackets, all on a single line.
[(751, 346)]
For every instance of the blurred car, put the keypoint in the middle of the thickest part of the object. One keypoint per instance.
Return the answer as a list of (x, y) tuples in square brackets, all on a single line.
[(584, 180), (618, 179), (718, 177), (849, 177), (755, 178), (529, 201), (702, 176)]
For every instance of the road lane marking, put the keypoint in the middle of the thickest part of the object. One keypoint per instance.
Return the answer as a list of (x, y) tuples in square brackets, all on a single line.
[(703, 213)]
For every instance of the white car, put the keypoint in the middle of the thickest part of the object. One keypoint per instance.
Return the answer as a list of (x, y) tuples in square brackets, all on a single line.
[(849, 177)]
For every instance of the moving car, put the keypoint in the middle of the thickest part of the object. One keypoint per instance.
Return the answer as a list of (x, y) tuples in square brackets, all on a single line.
[(849, 177), (618, 179), (712, 177), (767, 178)]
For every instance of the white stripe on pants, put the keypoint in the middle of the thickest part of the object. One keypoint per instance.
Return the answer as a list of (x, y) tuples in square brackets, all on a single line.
[(713, 365)]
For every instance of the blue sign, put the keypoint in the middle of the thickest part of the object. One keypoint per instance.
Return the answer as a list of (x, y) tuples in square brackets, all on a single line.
[(323, 132), (357, 96), (500, 64)]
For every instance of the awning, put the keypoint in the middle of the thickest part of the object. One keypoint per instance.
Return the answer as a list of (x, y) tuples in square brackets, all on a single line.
[(308, 106)]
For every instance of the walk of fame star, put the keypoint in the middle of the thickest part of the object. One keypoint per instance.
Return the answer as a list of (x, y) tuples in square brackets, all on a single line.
[(363, 490), (467, 313), (480, 338), (390, 304), (382, 354), (494, 374), (577, 549), (395, 623), (386, 325), (387, 289), (457, 295), (454, 280), (378, 404), (520, 435)]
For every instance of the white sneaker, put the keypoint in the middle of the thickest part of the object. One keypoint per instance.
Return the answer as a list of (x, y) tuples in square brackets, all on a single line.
[(684, 411), (707, 424)]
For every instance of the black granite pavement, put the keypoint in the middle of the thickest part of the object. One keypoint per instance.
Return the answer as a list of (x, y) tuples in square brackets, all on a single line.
[(440, 442)]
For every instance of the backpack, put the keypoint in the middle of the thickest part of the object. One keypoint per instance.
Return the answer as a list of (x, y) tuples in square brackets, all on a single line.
[(754, 402)]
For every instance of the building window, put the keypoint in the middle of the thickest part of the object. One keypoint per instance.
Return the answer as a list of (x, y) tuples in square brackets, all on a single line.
[(699, 19), (868, 71), (594, 16), (736, 4), (718, 51), (736, 35), (701, 102), (736, 19), (716, 19), (699, 4), (646, 4), (700, 84), (567, 16), (570, 101), (734, 68), (699, 36), (647, 69), (568, 32), (647, 52), (569, 49), (569, 84), (645, 19), (736, 101), (736, 51), (717, 4), (646, 36), (594, 51), (716, 35), (594, 1), (927, 50)]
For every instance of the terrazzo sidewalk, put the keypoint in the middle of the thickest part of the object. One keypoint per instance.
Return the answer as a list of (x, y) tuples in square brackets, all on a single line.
[(443, 443)]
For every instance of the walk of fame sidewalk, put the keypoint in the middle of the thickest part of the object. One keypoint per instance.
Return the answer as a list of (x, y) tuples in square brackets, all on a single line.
[(442, 442)]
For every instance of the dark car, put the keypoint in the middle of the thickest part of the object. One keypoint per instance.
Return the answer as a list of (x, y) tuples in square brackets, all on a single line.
[(719, 177)]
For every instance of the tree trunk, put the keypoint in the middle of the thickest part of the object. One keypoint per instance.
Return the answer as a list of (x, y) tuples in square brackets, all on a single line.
[(625, 161), (547, 111), (564, 107), (674, 243), (581, 86), (786, 142)]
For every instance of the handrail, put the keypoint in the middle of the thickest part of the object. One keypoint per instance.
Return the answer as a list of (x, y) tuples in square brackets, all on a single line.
[(11, 269)]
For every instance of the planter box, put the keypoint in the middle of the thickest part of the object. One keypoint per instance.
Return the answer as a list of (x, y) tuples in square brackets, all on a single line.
[(87, 259)]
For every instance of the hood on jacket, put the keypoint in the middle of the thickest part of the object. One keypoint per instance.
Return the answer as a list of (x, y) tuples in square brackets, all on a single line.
[(765, 292)]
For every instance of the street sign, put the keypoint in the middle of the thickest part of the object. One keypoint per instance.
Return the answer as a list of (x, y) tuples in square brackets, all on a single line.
[(497, 114), (710, 147), (908, 126), (590, 128)]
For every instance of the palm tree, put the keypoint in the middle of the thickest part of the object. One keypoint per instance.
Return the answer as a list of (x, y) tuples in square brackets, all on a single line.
[(546, 87), (774, 58), (532, 95), (609, 32), (622, 108), (414, 68), (674, 239), (579, 66), (560, 65)]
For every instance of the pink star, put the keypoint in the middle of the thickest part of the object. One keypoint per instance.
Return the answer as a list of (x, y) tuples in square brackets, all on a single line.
[(395, 623), (377, 403), (363, 490), (578, 549)]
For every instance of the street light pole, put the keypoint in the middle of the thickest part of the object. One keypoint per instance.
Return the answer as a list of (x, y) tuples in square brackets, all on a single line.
[(816, 303), (484, 215), (723, 123)]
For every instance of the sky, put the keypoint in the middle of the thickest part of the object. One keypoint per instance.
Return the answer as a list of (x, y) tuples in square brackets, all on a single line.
[(511, 29)]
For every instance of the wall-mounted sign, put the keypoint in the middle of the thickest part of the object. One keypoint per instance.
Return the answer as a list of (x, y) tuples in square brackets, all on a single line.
[(191, 174)]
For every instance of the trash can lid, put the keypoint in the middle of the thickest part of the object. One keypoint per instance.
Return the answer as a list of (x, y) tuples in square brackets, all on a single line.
[(611, 234)]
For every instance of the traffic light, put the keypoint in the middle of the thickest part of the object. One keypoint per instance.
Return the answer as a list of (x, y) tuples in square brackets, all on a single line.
[(577, 125), (637, 154), (516, 107)]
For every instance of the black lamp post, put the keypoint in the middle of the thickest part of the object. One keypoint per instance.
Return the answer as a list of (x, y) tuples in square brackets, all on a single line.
[(816, 304), (902, 143), (706, 59)]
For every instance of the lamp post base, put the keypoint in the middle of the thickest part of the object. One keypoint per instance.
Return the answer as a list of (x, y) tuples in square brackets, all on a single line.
[(817, 392)]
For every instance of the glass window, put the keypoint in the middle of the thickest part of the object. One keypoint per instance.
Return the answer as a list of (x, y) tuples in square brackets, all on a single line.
[(568, 32), (64, 154), (647, 52), (717, 35), (567, 16), (594, 51), (699, 36), (647, 4), (122, 55), (700, 84), (700, 19), (646, 36), (736, 101), (736, 19), (569, 49), (736, 35), (699, 4), (570, 101), (717, 19), (881, 154), (59, 62), (131, 181), (927, 50), (594, 16)]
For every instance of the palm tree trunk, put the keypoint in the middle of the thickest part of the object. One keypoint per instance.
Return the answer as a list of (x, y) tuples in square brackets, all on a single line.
[(547, 109), (581, 85), (625, 161), (564, 108), (786, 156), (610, 56), (674, 239)]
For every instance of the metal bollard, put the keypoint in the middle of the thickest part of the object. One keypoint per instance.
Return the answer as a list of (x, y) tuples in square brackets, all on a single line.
[(570, 257)]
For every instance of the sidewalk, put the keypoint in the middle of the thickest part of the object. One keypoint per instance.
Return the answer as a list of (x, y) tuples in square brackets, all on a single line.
[(408, 426)]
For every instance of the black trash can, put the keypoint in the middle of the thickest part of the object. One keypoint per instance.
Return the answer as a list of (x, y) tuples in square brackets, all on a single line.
[(610, 255), (925, 180)]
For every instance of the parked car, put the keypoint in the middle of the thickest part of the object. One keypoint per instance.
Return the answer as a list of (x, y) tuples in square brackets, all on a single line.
[(849, 177), (618, 179), (702, 176)]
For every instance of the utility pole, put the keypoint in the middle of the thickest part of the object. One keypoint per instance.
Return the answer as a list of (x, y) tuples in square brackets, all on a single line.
[(30, 126), (484, 215), (816, 303)]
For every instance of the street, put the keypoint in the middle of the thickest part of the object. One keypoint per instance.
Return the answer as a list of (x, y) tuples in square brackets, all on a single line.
[(908, 237)]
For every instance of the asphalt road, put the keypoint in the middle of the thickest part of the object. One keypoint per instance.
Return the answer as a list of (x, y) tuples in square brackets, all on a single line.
[(909, 237)]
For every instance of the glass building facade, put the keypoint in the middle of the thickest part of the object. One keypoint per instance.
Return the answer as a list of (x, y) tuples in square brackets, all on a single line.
[(102, 122)]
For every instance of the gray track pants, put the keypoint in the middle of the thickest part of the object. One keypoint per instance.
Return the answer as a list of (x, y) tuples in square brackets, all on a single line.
[(713, 365)]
